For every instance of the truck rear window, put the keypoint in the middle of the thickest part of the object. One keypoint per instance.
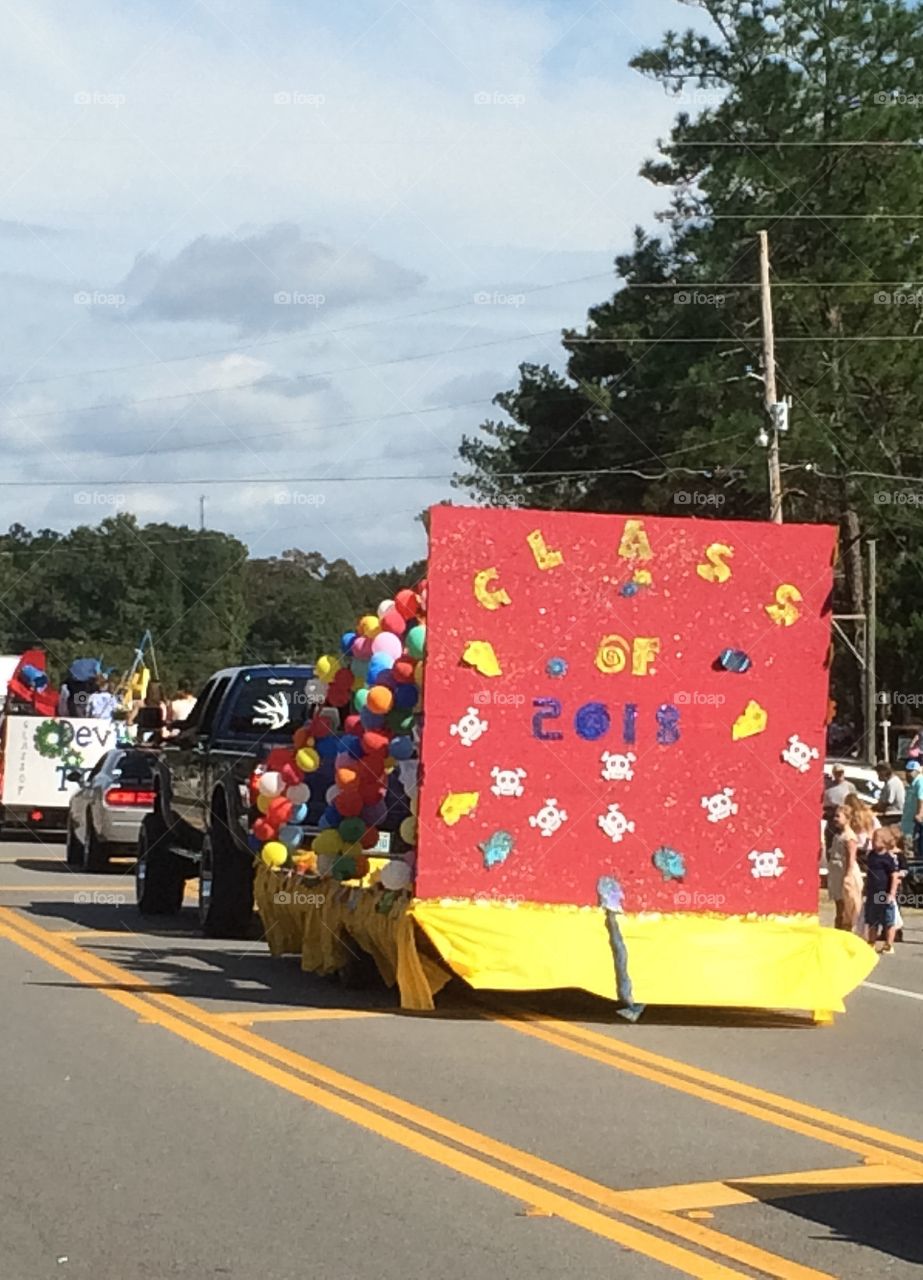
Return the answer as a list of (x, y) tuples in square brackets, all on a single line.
[(269, 705)]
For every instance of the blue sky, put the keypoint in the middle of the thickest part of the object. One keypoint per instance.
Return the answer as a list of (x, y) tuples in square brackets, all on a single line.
[(256, 240)]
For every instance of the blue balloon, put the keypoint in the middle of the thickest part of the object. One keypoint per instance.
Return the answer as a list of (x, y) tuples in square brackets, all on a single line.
[(254, 844), (350, 743), (324, 822), (380, 663), (402, 748), (299, 813), (346, 641), (331, 816), (291, 836), (370, 720), (406, 696), (327, 747)]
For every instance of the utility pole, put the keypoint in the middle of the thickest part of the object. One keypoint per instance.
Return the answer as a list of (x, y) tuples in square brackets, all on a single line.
[(769, 384), (871, 675), (202, 512)]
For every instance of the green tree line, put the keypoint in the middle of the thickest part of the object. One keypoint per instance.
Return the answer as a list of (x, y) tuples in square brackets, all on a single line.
[(93, 592), (799, 118)]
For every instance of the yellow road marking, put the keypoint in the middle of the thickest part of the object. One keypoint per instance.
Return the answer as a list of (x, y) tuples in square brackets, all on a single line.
[(691, 1196), (774, 1108), (179, 1016), (297, 1015)]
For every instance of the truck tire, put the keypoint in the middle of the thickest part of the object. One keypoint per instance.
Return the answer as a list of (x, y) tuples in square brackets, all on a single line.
[(225, 883), (95, 852), (159, 879)]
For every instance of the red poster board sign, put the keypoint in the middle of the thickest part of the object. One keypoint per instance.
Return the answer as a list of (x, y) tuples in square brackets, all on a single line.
[(618, 736)]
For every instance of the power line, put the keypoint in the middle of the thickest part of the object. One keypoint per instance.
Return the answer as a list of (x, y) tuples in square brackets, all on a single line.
[(779, 284), (298, 377), (805, 337), (289, 337)]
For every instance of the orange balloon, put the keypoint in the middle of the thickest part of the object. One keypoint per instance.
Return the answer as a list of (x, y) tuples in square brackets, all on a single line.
[(381, 700), (346, 776)]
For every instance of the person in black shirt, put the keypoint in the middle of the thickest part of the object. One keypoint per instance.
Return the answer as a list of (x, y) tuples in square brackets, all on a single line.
[(882, 877)]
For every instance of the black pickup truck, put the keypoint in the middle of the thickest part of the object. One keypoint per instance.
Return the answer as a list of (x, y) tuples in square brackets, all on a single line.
[(199, 826)]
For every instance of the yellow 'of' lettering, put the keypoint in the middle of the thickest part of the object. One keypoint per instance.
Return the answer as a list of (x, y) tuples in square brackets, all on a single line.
[(635, 544), (544, 557), (612, 654), (783, 611), (483, 594), (716, 570), (643, 653)]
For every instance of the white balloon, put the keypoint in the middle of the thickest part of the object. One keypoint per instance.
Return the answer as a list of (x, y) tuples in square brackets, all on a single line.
[(325, 863), (271, 784), (331, 792), (395, 875), (384, 607), (299, 794)]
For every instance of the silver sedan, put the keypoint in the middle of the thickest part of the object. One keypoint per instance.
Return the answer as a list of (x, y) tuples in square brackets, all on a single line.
[(105, 814)]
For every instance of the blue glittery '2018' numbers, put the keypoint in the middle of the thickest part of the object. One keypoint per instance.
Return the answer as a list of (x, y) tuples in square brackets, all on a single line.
[(593, 721)]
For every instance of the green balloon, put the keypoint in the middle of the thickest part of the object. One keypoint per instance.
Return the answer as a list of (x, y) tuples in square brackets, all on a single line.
[(416, 640), (400, 720), (344, 868), (351, 830), (360, 698)]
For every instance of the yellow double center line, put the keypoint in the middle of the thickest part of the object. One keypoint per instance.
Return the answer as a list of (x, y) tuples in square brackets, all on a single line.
[(527, 1178)]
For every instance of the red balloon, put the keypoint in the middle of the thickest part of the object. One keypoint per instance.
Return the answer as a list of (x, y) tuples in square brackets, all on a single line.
[(343, 679), (291, 774), (375, 740), (348, 803), (263, 830), (406, 603), (279, 812), (278, 757), (393, 620), (403, 670), (352, 724), (370, 838), (317, 728), (338, 697)]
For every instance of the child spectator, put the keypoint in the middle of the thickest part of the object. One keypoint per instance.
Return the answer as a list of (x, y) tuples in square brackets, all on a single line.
[(881, 882)]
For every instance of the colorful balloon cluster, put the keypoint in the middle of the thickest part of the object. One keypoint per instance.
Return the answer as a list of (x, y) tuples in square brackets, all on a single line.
[(375, 682)]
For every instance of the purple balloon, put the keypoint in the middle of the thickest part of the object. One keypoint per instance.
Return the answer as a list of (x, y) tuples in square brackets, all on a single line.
[(375, 813)]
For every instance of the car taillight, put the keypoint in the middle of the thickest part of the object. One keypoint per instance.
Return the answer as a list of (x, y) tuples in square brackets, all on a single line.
[(119, 797)]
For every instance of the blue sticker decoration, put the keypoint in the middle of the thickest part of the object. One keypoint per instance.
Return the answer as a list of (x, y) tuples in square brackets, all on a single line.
[(592, 721), (669, 862), (734, 660), (667, 724), (497, 848), (630, 724), (556, 667), (629, 589), (611, 894), (548, 709)]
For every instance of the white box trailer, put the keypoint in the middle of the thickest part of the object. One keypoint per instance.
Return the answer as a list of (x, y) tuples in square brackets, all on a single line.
[(39, 756)]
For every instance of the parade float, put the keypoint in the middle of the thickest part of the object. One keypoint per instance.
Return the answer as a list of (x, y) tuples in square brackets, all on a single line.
[(608, 778)]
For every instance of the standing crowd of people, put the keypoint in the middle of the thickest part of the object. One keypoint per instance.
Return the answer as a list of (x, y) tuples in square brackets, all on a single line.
[(155, 711), (868, 845)]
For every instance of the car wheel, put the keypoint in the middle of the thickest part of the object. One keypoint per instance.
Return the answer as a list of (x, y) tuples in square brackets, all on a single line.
[(95, 851), (225, 887), (159, 880), (74, 849)]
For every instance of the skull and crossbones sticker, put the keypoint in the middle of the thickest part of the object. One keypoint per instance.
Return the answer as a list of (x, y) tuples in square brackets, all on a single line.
[(617, 767), (507, 782), (549, 818), (614, 823), (767, 863), (720, 806), (469, 727), (798, 754)]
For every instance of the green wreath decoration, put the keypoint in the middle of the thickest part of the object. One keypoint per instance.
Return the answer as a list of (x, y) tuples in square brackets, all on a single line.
[(53, 737)]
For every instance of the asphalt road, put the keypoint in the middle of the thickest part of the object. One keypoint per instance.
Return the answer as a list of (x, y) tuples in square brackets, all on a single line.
[(179, 1108)]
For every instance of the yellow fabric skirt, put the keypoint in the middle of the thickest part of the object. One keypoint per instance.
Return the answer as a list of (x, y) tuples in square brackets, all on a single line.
[(760, 962)]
